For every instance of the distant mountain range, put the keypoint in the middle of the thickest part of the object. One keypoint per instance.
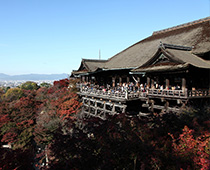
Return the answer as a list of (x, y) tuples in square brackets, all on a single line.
[(33, 77)]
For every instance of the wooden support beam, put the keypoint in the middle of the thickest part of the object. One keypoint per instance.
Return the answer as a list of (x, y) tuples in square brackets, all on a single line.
[(138, 79), (166, 105), (120, 81), (128, 79), (152, 84), (124, 108), (89, 106), (113, 81), (183, 84), (148, 82), (87, 78), (99, 108), (113, 108), (83, 79), (96, 108), (167, 83)]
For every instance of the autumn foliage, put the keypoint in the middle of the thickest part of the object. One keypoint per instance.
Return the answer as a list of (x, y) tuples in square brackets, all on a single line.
[(195, 150), (27, 115), (42, 126)]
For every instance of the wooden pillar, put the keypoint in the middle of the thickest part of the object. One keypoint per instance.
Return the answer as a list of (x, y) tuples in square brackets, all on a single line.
[(148, 82), (138, 83), (104, 110), (113, 81), (89, 106), (96, 108), (152, 105), (124, 108), (183, 84), (152, 84), (120, 81), (91, 79), (126, 94), (167, 83), (166, 106), (82, 111), (113, 108), (83, 79), (138, 79), (87, 78), (128, 79)]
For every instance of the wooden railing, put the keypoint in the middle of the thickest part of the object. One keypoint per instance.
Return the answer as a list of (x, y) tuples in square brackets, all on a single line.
[(199, 93), (102, 93), (168, 93), (177, 94)]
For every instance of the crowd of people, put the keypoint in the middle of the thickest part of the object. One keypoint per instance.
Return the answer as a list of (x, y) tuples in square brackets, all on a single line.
[(125, 87)]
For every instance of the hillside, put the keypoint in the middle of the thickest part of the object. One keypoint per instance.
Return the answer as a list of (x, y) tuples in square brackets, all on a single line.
[(33, 76)]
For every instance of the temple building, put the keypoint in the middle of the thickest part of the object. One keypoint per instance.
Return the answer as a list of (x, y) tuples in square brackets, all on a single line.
[(162, 73)]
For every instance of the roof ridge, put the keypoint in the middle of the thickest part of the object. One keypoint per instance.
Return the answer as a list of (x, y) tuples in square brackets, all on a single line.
[(94, 60), (182, 25), (176, 47)]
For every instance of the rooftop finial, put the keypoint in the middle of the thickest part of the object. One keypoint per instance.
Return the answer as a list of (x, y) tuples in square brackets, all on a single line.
[(99, 54)]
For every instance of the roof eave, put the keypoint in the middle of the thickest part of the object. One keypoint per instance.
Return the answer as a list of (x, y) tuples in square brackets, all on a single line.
[(113, 69)]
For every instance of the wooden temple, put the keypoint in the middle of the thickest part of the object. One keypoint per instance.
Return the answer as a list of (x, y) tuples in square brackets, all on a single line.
[(162, 73)]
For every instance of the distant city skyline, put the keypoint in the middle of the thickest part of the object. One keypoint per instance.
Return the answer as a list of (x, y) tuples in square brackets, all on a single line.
[(51, 37), (16, 83)]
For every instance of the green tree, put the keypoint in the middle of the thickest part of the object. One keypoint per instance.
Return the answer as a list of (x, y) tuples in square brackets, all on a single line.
[(1, 93), (29, 85), (13, 94), (44, 84)]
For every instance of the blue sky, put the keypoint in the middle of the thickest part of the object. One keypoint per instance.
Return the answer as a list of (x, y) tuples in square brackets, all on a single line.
[(52, 36)]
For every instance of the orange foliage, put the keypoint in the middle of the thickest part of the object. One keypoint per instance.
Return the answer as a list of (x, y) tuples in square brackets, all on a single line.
[(194, 148), (68, 106)]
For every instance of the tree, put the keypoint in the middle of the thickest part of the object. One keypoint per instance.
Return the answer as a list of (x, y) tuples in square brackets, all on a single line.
[(17, 120), (43, 127), (16, 159), (13, 94), (61, 83), (192, 152), (19, 130), (47, 85), (115, 143), (29, 85), (59, 106), (1, 93)]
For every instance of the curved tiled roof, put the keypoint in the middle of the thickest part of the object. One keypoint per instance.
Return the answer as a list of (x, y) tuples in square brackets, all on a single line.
[(195, 34), (178, 59), (93, 65), (89, 65), (188, 57)]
